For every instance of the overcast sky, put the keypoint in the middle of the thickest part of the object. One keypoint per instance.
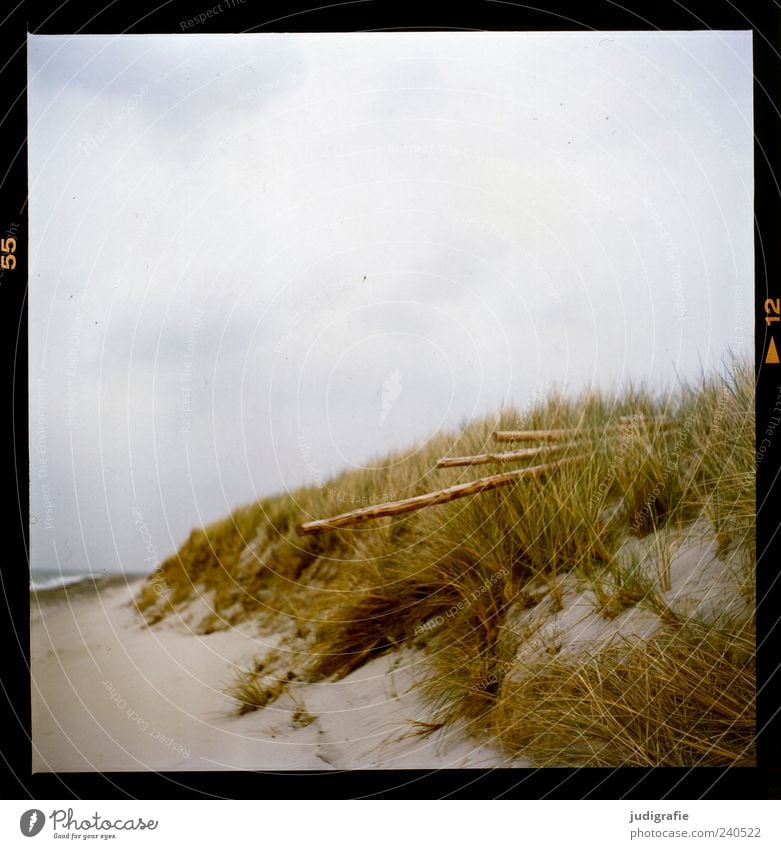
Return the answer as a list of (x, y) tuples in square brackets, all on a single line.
[(257, 260)]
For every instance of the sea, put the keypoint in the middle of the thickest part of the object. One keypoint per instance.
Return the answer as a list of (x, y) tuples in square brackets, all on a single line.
[(43, 579)]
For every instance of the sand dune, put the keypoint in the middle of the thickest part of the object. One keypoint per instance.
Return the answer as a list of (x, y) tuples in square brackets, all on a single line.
[(110, 694)]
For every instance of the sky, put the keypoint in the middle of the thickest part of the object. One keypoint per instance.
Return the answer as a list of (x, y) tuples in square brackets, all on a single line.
[(258, 260)]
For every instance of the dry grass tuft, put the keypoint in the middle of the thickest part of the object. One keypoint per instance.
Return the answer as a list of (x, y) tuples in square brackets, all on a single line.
[(253, 691), (685, 698)]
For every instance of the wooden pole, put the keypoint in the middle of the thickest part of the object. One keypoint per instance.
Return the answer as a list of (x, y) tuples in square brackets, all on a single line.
[(429, 499), (506, 457), (534, 435), (568, 433)]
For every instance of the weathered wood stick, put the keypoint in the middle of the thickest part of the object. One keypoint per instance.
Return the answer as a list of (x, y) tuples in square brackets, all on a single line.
[(534, 435), (505, 457), (429, 499), (564, 433)]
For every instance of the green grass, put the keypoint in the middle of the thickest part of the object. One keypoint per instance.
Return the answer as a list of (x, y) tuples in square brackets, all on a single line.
[(450, 579)]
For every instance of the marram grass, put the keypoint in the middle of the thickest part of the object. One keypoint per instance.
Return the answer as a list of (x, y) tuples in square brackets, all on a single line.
[(451, 580)]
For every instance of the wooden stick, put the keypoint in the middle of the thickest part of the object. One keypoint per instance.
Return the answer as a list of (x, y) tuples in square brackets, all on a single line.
[(506, 457), (564, 433), (533, 435), (429, 499)]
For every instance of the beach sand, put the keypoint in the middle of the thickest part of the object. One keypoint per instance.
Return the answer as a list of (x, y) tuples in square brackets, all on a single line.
[(111, 694)]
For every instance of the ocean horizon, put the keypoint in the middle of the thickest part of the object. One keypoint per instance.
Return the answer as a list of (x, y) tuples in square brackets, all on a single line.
[(50, 579)]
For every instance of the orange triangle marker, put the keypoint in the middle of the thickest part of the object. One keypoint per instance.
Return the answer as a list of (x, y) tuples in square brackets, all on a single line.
[(772, 353)]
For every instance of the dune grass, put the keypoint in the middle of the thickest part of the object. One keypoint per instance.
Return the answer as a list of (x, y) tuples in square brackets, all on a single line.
[(451, 579), (685, 698)]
